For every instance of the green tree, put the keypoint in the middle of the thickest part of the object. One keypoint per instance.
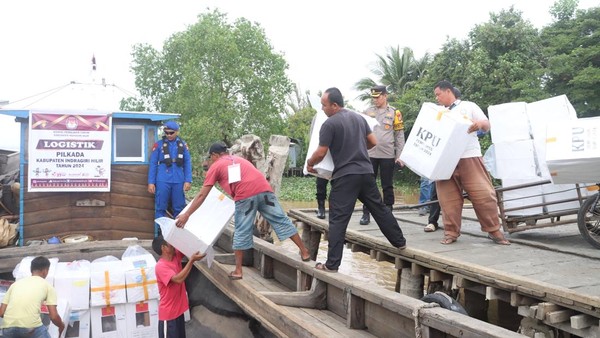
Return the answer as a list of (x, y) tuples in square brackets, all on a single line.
[(572, 47), (506, 62), (451, 63), (563, 9), (223, 78)]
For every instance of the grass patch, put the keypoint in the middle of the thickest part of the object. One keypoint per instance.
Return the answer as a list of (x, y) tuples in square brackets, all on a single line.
[(300, 189)]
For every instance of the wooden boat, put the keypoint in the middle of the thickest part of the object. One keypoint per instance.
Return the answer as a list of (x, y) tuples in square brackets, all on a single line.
[(292, 299)]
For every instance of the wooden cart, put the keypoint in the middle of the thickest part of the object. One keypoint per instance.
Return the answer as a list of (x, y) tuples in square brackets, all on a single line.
[(518, 209)]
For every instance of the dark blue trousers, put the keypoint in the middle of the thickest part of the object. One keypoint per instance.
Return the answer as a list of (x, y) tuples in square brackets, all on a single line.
[(174, 328)]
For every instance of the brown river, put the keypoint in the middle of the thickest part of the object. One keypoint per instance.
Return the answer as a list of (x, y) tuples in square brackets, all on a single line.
[(356, 264)]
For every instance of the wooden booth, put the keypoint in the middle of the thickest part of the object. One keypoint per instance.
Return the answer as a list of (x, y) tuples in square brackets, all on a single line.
[(85, 172)]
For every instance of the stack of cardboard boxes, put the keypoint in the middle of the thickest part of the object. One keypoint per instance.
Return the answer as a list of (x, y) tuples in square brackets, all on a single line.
[(527, 149), (108, 297)]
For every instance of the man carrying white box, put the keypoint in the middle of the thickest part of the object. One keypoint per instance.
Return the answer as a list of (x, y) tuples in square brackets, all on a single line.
[(469, 175), (251, 192)]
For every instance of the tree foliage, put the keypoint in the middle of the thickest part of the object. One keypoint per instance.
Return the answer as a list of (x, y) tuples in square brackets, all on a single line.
[(223, 78), (563, 10), (506, 61), (572, 46)]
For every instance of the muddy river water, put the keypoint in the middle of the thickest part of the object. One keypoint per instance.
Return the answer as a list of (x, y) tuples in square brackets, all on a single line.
[(356, 264)]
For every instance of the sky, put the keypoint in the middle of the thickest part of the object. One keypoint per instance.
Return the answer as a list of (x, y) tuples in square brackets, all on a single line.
[(327, 43)]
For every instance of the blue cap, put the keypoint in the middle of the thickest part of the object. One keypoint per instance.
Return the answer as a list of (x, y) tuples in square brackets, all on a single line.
[(171, 125)]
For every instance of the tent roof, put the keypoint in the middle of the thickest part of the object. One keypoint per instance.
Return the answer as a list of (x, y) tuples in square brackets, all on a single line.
[(80, 97)]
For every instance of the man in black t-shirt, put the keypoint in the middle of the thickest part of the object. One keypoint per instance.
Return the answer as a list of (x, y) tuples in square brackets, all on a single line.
[(347, 135)]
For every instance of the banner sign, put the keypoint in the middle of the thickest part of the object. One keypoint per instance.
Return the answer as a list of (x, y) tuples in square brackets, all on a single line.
[(69, 152)]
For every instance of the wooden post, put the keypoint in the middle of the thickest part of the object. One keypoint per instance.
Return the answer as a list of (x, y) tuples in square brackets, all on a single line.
[(266, 266), (411, 284), (355, 313), (311, 240), (279, 146)]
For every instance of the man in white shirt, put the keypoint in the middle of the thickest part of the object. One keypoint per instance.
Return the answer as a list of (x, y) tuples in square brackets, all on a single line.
[(470, 175)]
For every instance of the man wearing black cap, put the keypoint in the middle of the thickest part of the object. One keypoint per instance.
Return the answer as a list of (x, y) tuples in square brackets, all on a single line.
[(390, 142), (251, 192), (169, 172)]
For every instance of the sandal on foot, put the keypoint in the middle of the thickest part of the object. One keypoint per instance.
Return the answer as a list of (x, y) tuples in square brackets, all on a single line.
[(323, 267), (499, 240), (430, 227), (307, 259), (234, 277), (448, 240)]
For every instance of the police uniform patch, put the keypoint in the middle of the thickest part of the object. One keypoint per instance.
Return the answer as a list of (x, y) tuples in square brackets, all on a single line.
[(155, 146), (398, 122)]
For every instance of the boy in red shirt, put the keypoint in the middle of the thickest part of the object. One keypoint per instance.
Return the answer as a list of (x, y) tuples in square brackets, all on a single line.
[(171, 286)]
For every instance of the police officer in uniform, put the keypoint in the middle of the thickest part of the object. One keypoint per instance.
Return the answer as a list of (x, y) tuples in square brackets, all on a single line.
[(390, 142), (170, 171)]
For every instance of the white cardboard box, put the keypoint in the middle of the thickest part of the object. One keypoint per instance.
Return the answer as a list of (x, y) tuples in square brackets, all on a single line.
[(72, 282), (204, 226), (562, 192), (515, 160), (23, 269), (64, 311), (436, 142), (109, 321), (573, 150), (509, 122), (325, 167), (79, 324), (141, 284), (542, 112), (4, 285), (142, 319), (107, 282), (521, 198), (140, 278)]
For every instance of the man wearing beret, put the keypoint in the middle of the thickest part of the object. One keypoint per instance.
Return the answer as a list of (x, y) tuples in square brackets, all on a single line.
[(170, 171), (390, 142)]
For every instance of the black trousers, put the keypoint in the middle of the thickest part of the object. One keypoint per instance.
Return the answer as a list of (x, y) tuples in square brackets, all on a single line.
[(384, 168), (342, 200), (321, 189), (434, 209)]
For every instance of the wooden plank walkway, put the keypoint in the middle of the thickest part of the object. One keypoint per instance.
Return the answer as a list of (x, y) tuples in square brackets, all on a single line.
[(553, 265), (275, 289)]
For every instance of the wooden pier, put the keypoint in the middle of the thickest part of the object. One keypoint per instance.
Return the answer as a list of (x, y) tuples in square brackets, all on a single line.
[(546, 280)]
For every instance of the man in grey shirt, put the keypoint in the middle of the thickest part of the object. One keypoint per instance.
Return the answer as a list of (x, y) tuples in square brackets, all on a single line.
[(390, 142), (347, 136)]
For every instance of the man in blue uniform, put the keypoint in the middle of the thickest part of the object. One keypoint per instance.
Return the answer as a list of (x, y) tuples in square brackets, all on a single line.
[(170, 171)]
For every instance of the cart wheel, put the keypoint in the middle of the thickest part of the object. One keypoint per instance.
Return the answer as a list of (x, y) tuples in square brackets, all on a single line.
[(588, 220)]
